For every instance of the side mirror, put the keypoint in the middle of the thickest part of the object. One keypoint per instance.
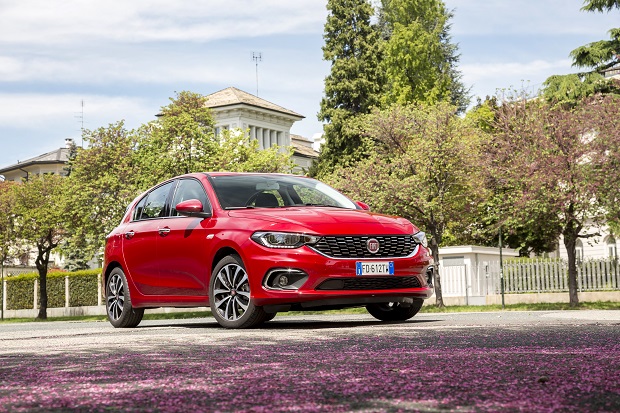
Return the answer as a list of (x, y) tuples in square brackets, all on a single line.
[(362, 205), (192, 208)]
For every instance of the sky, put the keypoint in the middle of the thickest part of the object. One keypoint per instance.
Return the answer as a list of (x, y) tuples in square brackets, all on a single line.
[(70, 63)]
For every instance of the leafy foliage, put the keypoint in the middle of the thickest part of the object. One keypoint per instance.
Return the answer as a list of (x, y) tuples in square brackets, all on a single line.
[(597, 57), (354, 84), (104, 180), (425, 169), (42, 217), (600, 5), (419, 59), (82, 289), (556, 162)]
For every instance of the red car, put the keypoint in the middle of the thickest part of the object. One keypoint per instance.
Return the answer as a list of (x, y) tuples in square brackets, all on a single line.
[(253, 245)]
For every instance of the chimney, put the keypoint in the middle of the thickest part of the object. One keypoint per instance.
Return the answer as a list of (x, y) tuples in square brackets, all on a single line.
[(68, 143)]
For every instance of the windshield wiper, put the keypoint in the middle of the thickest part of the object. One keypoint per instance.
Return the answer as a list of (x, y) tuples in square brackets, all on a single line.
[(325, 205)]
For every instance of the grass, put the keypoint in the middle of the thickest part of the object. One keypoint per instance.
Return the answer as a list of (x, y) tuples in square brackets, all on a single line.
[(599, 305)]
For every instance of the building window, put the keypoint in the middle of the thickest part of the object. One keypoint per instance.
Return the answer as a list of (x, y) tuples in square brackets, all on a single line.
[(612, 249), (579, 250)]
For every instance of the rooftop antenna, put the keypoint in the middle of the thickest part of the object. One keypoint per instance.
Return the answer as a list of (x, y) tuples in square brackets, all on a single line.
[(81, 120), (257, 57)]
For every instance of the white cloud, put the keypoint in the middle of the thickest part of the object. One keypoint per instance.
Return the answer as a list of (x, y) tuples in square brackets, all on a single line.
[(39, 111), (75, 21)]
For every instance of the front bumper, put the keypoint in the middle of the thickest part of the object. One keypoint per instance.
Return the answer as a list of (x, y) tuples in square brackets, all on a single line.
[(411, 273)]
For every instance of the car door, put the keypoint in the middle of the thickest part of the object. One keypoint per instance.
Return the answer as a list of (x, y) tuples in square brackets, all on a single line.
[(140, 240), (183, 244)]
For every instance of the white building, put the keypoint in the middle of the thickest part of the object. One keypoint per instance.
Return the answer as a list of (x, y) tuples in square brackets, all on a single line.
[(53, 162), (266, 122)]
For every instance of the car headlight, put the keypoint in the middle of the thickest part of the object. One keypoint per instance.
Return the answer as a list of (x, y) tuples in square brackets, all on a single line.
[(284, 239), (420, 238)]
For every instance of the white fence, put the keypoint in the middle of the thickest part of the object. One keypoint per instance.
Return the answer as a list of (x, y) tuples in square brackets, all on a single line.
[(527, 276)]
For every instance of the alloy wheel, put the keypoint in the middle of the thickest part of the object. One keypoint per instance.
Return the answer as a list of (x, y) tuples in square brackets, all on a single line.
[(231, 292), (115, 297)]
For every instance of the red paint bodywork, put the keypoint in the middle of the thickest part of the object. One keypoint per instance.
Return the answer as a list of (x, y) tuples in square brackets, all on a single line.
[(173, 268)]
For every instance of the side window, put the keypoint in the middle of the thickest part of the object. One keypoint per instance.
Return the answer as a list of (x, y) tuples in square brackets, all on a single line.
[(155, 205), (189, 189), (137, 212)]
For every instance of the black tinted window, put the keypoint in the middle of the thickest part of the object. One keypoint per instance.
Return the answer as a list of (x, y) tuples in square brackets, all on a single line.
[(155, 206), (189, 189), (138, 211)]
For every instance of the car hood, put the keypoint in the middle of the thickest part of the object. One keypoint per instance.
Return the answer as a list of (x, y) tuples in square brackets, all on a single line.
[(326, 221)]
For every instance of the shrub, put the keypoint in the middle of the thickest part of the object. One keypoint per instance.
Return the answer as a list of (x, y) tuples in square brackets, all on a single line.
[(82, 289)]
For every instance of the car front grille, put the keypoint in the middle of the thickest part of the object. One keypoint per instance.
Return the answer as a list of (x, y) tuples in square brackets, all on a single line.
[(370, 283), (390, 246)]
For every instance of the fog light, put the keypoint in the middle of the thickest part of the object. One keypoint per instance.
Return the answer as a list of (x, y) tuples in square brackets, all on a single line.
[(283, 281)]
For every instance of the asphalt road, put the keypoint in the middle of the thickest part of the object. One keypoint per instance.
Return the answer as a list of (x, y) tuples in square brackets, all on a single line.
[(504, 361)]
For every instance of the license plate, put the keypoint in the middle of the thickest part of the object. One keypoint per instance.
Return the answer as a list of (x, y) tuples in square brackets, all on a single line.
[(374, 268)]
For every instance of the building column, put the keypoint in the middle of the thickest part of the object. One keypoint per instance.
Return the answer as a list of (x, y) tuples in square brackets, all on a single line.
[(272, 139), (258, 134), (252, 133), (266, 143)]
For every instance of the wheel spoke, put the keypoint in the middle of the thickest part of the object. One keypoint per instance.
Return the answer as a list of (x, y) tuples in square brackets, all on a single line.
[(244, 294), (223, 282), (243, 305), (243, 280)]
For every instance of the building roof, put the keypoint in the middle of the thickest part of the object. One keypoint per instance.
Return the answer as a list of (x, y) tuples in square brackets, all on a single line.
[(303, 147), (58, 156), (233, 96)]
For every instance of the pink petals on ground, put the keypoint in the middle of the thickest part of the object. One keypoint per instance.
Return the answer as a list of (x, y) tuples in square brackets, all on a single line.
[(555, 369)]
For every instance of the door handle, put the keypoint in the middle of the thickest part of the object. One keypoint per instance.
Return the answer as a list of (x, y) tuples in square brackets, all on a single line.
[(163, 231), (129, 234)]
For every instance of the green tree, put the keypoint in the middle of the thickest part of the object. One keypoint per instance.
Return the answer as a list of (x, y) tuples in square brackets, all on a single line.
[(556, 160), (180, 141), (236, 152), (9, 246), (425, 169), (595, 57), (103, 181), (419, 59), (354, 83), (42, 216)]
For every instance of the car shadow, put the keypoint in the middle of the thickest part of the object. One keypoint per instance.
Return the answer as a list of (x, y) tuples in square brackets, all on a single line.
[(284, 324)]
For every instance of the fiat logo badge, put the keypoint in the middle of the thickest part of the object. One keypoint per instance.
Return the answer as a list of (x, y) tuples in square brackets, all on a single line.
[(372, 245)]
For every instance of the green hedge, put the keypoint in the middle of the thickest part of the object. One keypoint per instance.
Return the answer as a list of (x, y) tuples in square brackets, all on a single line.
[(82, 289)]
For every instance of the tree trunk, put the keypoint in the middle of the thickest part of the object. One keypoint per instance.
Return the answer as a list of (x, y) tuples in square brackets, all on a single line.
[(42, 262), (570, 240), (437, 283)]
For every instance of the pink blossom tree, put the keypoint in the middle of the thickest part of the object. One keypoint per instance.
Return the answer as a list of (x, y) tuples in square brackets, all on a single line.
[(559, 159)]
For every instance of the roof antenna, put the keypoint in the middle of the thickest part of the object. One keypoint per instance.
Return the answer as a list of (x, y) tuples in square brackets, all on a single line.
[(257, 57), (81, 120)]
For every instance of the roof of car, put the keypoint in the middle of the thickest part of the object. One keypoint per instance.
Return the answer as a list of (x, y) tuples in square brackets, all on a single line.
[(249, 173)]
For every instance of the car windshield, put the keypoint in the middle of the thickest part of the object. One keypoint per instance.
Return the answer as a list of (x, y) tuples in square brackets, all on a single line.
[(274, 191)]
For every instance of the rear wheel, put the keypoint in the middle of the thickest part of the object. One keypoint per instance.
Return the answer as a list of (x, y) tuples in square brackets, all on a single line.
[(269, 317), (229, 295), (118, 302), (394, 311)]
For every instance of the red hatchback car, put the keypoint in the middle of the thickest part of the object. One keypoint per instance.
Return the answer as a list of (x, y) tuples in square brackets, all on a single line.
[(252, 245)]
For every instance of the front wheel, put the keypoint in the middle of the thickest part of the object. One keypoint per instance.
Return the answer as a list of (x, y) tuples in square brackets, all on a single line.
[(394, 311), (118, 302), (229, 295)]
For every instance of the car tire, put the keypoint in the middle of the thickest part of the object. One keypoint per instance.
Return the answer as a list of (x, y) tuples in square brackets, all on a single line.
[(230, 297), (269, 317), (118, 302), (394, 311)]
